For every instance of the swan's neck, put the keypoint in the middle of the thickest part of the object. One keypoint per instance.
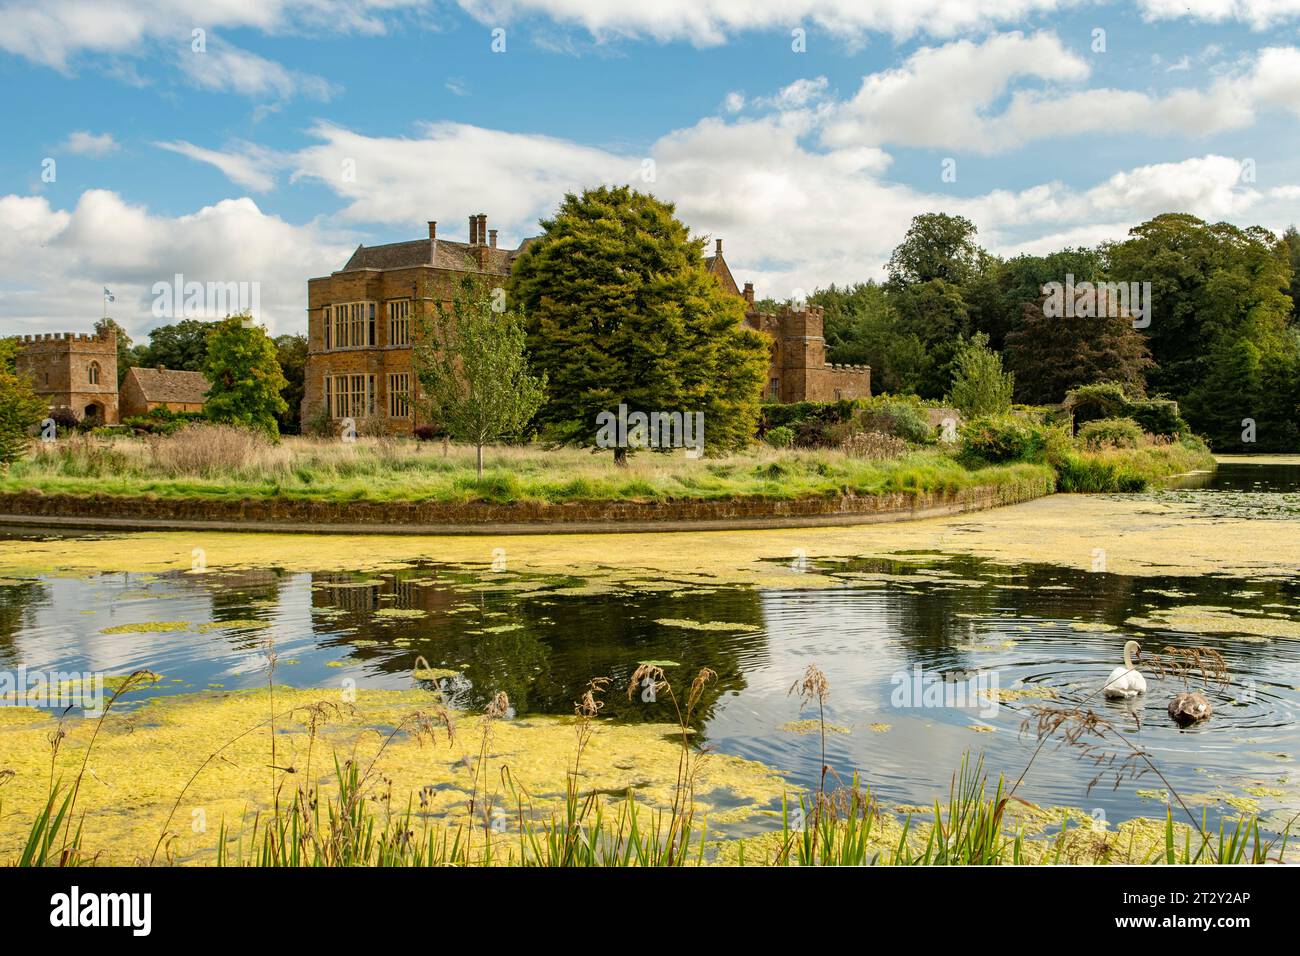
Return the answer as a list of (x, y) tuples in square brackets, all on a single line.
[(1128, 661)]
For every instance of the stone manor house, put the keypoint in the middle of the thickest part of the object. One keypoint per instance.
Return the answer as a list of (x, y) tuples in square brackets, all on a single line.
[(361, 319)]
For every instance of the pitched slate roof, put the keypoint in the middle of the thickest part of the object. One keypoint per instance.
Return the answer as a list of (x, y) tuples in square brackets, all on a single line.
[(170, 385), (438, 253)]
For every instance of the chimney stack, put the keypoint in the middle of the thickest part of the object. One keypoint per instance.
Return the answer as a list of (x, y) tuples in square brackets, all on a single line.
[(718, 247), (492, 238), (433, 229), (473, 230), (482, 229), (749, 292)]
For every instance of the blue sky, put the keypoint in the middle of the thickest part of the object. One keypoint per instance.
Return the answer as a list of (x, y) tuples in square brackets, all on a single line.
[(228, 163)]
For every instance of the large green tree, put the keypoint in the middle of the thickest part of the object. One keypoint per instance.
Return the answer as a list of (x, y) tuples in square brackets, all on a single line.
[(20, 407), (1220, 322), (470, 359), (291, 352), (622, 312), (247, 383), (182, 345), (1050, 355), (936, 246)]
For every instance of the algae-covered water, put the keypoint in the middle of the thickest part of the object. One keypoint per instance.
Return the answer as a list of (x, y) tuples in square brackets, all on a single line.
[(930, 651)]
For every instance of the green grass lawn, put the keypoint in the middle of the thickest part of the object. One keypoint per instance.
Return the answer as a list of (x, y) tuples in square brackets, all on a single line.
[(227, 464), (391, 470)]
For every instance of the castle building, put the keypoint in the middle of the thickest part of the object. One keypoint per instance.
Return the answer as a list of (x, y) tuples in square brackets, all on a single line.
[(73, 372), (361, 319)]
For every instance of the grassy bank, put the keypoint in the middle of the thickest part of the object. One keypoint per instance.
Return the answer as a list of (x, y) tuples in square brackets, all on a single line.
[(1128, 469), (391, 470)]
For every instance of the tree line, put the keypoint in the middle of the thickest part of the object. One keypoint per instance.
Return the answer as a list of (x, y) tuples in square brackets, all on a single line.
[(1221, 337)]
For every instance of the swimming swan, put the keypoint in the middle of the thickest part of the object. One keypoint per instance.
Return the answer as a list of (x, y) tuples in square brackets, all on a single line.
[(1125, 682)]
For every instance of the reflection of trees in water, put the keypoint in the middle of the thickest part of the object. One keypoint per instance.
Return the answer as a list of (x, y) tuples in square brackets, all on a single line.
[(930, 628), (16, 605), (542, 650)]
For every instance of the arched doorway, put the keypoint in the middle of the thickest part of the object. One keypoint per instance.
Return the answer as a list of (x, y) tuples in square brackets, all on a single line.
[(94, 412)]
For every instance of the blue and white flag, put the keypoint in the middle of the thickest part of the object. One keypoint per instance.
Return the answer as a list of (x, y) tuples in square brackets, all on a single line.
[(108, 296)]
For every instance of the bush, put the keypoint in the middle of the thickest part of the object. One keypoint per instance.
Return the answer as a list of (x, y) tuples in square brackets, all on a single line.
[(782, 436), (160, 421), (1000, 438), (874, 446), (198, 449), (896, 416), (1110, 433)]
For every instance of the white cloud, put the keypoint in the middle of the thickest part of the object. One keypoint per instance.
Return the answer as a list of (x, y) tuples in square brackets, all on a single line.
[(54, 263), (225, 69), (246, 163), (55, 32), (1259, 14), (84, 143), (449, 170), (945, 97), (711, 22)]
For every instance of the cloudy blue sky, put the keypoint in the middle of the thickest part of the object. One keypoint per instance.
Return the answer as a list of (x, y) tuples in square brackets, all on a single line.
[(806, 133)]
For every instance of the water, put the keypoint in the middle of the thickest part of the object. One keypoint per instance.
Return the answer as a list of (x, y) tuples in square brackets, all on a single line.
[(1046, 634)]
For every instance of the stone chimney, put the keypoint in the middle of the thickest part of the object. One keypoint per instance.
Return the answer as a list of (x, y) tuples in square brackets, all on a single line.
[(492, 238), (749, 288), (482, 229), (433, 229), (717, 247), (473, 230)]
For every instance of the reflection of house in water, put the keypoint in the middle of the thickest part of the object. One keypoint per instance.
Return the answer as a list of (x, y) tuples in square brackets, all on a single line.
[(414, 591)]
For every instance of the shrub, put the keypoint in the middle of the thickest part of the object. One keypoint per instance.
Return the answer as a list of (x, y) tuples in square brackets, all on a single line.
[(199, 449), (782, 436), (1110, 433), (1000, 438), (896, 416), (979, 386), (874, 446)]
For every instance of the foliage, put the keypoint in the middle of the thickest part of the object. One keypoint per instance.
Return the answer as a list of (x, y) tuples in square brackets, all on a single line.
[(245, 374), (937, 247), (1051, 355), (979, 385), (471, 363), (903, 417), (1110, 433), (160, 421), (20, 409), (182, 345), (291, 353), (622, 312), (1220, 329), (1003, 438), (782, 436)]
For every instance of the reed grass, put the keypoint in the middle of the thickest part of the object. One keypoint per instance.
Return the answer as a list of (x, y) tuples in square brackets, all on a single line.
[(349, 826)]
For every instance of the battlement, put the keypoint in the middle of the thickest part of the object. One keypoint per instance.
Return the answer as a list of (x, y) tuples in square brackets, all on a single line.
[(848, 369), (61, 340)]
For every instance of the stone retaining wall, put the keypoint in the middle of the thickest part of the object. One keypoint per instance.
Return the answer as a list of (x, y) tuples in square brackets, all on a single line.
[(141, 513)]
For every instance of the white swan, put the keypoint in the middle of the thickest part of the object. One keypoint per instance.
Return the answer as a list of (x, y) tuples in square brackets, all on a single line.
[(1124, 681)]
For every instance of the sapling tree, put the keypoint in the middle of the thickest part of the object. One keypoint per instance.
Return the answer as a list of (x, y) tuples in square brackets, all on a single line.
[(470, 360)]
